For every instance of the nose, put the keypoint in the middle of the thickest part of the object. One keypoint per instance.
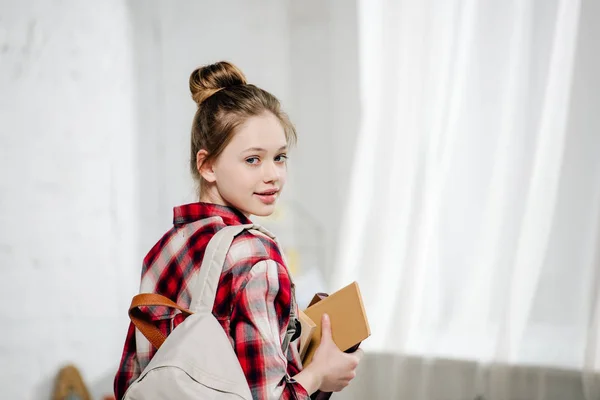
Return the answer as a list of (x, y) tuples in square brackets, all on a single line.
[(271, 172)]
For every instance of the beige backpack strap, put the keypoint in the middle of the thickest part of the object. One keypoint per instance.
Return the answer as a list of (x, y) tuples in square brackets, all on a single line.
[(204, 289)]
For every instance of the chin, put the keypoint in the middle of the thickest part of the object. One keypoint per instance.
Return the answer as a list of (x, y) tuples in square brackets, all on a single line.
[(263, 210)]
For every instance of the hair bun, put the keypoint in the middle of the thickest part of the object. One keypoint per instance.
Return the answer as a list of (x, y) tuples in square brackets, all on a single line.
[(206, 81)]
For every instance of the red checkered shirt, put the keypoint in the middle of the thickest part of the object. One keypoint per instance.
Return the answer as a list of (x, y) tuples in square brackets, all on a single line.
[(253, 308)]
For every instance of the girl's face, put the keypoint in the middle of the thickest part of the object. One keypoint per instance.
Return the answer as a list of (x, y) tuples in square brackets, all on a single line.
[(251, 171)]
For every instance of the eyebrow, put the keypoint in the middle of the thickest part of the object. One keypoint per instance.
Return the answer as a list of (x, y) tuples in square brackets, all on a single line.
[(259, 149)]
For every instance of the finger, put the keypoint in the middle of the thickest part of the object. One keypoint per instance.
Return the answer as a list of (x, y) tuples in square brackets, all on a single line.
[(339, 386), (342, 384), (325, 328), (359, 353)]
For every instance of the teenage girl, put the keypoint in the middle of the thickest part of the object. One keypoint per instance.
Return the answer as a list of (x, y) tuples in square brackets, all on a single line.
[(239, 148)]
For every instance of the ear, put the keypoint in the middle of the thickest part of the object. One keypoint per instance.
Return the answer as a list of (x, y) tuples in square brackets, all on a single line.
[(205, 168)]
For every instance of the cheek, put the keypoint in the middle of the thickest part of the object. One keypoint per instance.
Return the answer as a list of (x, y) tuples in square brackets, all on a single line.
[(283, 175), (245, 179), (232, 177)]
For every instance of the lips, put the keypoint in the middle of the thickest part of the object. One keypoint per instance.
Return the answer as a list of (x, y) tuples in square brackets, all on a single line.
[(268, 197), (268, 192)]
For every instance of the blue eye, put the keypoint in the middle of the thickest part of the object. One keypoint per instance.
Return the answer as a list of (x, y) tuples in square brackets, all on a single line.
[(252, 160), (281, 158)]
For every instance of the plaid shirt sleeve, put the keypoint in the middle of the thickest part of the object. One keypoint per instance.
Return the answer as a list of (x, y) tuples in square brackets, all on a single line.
[(129, 368), (258, 326)]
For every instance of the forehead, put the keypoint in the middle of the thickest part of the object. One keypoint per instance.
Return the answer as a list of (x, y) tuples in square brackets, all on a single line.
[(264, 131)]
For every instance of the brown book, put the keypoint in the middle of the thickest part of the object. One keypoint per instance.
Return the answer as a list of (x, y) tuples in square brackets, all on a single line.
[(307, 329), (349, 324)]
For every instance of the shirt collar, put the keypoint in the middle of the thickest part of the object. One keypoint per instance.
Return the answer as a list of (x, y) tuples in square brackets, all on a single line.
[(196, 211)]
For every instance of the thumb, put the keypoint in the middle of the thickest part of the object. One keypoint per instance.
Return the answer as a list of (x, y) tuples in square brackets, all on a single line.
[(325, 328)]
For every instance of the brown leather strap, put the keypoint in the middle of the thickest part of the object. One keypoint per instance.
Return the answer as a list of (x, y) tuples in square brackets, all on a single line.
[(143, 321)]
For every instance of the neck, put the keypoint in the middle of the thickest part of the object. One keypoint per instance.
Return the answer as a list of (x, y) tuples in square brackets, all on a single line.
[(210, 194)]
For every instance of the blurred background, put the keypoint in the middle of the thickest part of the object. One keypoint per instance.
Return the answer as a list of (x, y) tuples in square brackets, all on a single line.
[(448, 161)]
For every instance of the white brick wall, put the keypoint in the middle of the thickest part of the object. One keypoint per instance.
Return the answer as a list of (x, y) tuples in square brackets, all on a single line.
[(67, 226)]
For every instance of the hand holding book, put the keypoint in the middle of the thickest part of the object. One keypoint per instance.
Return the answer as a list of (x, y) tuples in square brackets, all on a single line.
[(330, 324)]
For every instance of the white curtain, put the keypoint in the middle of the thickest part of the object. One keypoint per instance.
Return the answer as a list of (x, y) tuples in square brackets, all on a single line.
[(473, 222)]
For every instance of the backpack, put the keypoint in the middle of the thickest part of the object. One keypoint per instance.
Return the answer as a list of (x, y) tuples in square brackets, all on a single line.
[(196, 360)]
